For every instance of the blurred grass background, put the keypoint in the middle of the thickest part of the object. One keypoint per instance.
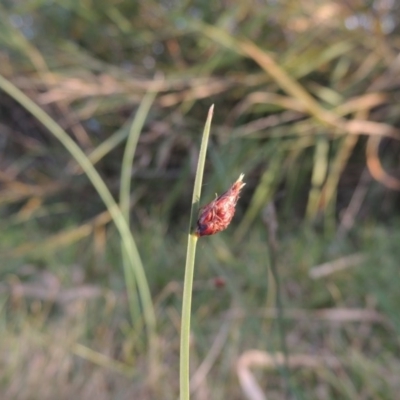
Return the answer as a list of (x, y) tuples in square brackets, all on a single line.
[(306, 105)]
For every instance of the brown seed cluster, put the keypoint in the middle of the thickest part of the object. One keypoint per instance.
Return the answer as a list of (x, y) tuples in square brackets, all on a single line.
[(217, 215)]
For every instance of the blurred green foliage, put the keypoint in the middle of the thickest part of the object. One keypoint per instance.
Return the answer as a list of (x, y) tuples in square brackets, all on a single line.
[(306, 105)]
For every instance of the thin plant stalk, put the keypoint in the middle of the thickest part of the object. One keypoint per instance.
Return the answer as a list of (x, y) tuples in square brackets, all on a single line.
[(104, 193), (184, 371), (270, 219), (124, 194), (124, 198)]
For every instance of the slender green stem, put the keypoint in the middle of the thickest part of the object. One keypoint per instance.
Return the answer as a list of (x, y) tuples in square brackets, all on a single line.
[(202, 160), (273, 253), (186, 312), (184, 371), (104, 193), (132, 284), (130, 148), (124, 195)]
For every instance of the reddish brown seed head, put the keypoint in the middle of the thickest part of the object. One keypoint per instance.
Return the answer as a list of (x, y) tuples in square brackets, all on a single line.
[(217, 215)]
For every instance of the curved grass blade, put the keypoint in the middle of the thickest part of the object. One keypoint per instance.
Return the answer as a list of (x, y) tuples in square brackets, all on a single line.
[(104, 193), (132, 284)]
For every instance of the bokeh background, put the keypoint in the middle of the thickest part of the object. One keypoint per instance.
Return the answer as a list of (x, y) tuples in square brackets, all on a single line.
[(306, 98)]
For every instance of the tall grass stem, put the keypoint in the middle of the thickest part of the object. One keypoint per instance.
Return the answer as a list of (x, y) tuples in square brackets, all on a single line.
[(104, 193), (184, 370), (132, 284), (124, 195)]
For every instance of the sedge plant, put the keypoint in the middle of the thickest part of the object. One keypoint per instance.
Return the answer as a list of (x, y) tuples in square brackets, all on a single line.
[(213, 218), (184, 386)]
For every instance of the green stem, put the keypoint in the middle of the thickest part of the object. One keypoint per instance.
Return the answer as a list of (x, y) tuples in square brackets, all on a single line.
[(132, 283), (104, 193), (273, 252), (124, 195), (184, 370), (184, 374)]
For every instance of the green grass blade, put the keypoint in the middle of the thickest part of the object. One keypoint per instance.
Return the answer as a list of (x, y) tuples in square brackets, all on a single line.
[(104, 193), (124, 195), (189, 268)]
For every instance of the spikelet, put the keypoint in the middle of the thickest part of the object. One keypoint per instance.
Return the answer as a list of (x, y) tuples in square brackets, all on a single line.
[(217, 215)]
